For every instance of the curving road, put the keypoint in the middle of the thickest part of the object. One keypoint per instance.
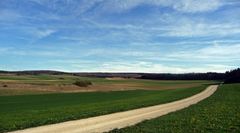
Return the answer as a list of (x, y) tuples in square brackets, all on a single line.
[(122, 119)]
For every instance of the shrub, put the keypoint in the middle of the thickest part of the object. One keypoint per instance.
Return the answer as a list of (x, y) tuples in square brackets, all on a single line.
[(5, 86), (83, 83)]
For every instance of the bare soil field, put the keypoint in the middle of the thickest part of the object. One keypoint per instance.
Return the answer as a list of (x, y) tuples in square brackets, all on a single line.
[(29, 84)]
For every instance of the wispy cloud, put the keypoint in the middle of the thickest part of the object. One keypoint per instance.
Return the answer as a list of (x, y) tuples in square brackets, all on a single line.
[(43, 33), (79, 7), (149, 67), (4, 49), (189, 28), (33, 52), (181, 5), (219, 53), (9, 15), (121, 35), (196, 6)]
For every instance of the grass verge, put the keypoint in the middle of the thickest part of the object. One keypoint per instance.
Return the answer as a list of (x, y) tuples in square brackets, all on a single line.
[(217, 114)]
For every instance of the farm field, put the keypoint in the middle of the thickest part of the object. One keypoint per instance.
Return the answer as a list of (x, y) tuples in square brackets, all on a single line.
[(20, 111), (119, 66), (41, 84), (219, 113)]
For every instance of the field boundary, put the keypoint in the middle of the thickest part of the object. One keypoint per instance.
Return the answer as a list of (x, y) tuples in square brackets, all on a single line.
[(122, 119)]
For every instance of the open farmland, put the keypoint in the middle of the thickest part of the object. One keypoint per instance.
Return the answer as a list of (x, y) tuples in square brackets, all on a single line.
[(219, 113), (119, 66), (33, 109), (11, 84)]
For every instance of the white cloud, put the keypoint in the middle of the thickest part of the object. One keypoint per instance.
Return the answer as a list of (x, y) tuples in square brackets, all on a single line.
[(175, 26), (82, 6), (196, 5), (190, 28), (190, 6), (43, 33), (142, 42), (148, 67), (216, 52)]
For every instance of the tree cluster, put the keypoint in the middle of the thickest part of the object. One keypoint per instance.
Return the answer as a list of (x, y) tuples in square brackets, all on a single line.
[(233, 76)]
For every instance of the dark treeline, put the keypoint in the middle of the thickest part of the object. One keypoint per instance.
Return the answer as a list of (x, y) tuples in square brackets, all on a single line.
[(187, 76), (233, 76)]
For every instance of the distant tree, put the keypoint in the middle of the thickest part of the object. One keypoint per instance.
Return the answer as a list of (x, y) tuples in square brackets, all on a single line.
[(233, 76), (84, 83)]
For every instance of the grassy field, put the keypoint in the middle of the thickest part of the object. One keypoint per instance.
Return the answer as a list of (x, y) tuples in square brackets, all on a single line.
[(33, 100), (22, 111), (41, 84), (217, 114)]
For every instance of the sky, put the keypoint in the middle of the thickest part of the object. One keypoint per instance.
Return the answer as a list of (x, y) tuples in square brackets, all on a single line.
[(152, 36)]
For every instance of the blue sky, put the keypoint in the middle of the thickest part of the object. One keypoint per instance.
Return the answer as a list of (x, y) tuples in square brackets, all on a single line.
[(120, 35)]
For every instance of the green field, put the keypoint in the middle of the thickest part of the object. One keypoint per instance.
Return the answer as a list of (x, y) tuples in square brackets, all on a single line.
[(33, 100), (217, 114), (22, 111)]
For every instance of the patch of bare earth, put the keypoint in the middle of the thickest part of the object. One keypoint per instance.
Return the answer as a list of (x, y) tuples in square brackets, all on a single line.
[(116, 78)]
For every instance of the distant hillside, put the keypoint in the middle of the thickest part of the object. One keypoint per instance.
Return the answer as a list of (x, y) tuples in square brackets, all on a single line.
[(34, 72), (110, 75)]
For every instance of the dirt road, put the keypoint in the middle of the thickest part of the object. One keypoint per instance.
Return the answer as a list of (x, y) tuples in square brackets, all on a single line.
[(122, 119)]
